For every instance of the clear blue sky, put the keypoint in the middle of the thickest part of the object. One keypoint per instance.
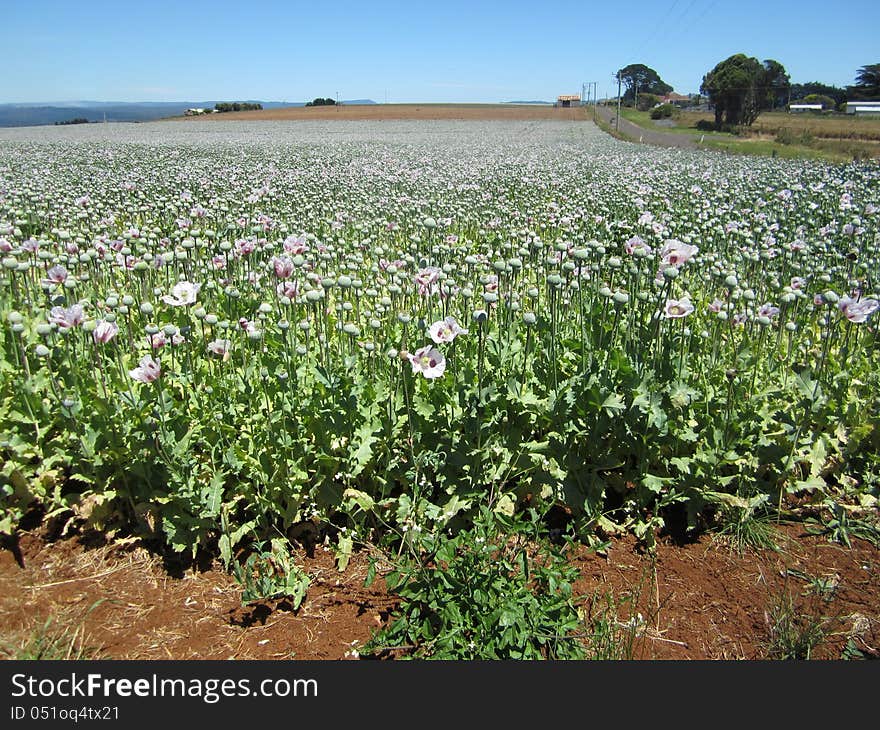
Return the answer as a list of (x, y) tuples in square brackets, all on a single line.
[(452, 51)]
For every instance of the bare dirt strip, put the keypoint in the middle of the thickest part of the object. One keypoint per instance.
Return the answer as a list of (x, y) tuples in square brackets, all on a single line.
[(699, 599)]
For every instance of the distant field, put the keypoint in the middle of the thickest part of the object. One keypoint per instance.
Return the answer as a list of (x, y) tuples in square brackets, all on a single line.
[(522, 112), (822, 126)]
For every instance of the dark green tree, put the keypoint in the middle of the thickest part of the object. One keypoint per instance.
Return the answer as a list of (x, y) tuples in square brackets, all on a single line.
[(735, 88), (867, 84), (640, 79), (776, 85)]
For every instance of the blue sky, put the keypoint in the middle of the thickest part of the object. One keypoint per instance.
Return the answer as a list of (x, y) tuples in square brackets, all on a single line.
[(453, 51)]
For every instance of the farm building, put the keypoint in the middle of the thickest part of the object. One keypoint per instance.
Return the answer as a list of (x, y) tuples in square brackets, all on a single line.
[(195, 112), (568, 100), (863, 107), (795, 108), (679, 100)]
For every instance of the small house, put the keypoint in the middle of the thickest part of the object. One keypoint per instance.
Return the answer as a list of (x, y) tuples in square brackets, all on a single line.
[(566, 100), (796, 108), (678, 100)]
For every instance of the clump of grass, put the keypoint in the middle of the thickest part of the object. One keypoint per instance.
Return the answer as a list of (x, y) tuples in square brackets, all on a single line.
[(608, 637), (792, 634), (744, 523), (52, 640), (754, 533)]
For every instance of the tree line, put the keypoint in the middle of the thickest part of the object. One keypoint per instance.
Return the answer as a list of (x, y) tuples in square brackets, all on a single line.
[(237, 106)]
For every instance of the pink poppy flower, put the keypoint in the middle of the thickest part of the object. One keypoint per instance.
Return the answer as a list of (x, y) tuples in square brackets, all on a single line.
[(283, 267), (67, 318), (56, 275), (634, 244), (105, 331), (426, 280), (446, 330), (289, 289), (147, 371), (857, 310), (428, 361), (295, 245), (220, 347), (675, 309), (676, 253), (182, 294)]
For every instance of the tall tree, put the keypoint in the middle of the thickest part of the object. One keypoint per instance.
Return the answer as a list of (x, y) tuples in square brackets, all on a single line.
[(867, 84), (737, 88), (641, 79), (776, 85)]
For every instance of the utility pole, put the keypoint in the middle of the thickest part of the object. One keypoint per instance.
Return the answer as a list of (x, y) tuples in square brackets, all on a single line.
[(617, 125)]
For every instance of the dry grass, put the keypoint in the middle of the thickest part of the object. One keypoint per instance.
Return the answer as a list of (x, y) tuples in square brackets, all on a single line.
[(831, 127)]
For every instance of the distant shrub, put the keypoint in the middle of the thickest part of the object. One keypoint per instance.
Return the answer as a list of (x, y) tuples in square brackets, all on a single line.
[(707, 125), (77, 120), (664, 111), (321, 102), (826, 101), (788, 136), (647, 101)]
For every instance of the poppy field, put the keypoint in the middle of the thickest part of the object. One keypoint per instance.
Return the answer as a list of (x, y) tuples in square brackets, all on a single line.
[(221, 334)]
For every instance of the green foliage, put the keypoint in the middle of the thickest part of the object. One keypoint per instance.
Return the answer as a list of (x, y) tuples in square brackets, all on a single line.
[(800, 92), (867, 84), (664, 111), (489, 592), (271, 573), (640, 79), (841, 528), (647, 102), (826, 101), (319, 101)]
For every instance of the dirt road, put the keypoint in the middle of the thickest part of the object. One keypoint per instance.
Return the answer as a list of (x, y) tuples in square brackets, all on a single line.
[(638, 134)]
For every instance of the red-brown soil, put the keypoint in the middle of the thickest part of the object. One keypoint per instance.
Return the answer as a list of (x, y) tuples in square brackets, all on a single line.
[(701, 600), (524, 112)]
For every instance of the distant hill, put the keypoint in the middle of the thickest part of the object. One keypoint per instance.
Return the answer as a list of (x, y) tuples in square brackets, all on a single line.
[(29, 115)]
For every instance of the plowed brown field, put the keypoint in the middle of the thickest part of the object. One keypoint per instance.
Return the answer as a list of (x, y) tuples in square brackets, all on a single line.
[(514, 112)]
